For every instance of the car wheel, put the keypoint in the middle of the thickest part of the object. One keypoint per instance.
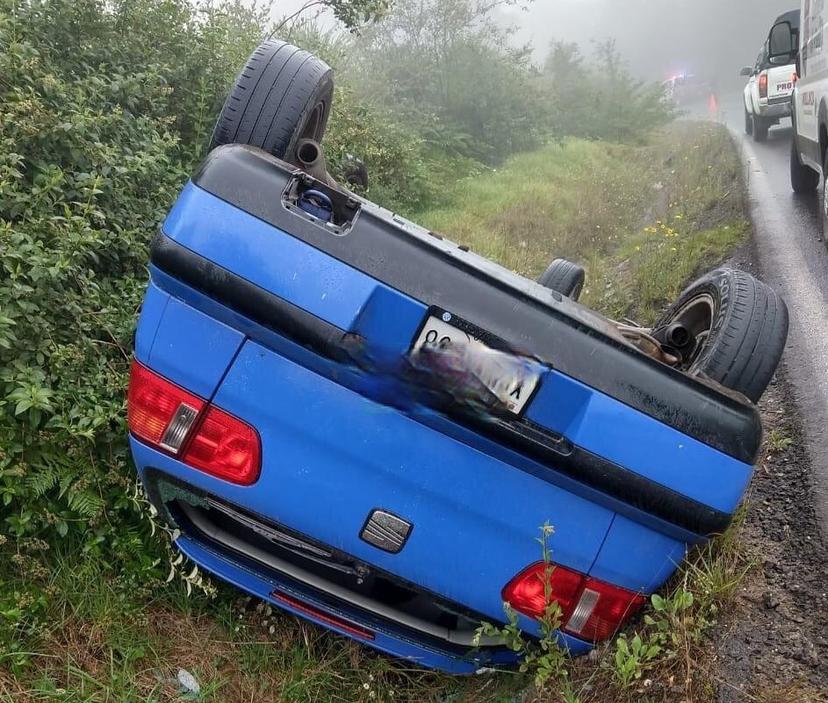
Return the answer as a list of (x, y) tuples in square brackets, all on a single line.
[(730, 328), (748, 123), (282, 95), (760, 129), (564, 277), (803, 178)]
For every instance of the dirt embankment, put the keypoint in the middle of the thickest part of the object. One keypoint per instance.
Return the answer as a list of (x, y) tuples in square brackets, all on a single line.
[(772, 647)]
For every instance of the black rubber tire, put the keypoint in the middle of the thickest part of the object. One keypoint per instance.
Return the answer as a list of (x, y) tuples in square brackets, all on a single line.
[(282, 95), (748, 123), (748, 333), (803, 178), (760, 129), (824, 200), (564, 277)]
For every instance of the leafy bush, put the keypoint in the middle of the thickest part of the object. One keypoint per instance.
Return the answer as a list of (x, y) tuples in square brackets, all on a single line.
[(97, 135)]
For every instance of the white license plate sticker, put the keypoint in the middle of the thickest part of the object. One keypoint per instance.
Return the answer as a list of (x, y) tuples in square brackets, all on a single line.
[(512, 379)]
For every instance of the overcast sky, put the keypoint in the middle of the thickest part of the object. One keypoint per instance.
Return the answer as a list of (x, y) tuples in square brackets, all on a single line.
[(658, 37)]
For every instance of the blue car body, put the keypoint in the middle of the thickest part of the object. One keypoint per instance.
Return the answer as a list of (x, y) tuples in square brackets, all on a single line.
[(250, 309)]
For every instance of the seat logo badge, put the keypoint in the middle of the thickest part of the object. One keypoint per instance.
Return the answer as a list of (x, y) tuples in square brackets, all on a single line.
[(386, 531)]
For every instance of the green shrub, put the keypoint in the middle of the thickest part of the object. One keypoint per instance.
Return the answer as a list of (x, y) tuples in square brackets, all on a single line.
[(105, 108)]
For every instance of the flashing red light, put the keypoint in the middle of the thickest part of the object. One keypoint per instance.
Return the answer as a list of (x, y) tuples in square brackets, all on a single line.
[(171, 419), (591, 609)]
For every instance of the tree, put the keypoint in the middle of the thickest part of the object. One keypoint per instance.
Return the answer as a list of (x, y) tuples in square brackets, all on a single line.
[(450, 69), (599, 99), (352, 13)]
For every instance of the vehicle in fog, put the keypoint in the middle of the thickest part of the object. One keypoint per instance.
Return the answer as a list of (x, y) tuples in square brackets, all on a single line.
[(810, 98), (767, 95), (685, 89)]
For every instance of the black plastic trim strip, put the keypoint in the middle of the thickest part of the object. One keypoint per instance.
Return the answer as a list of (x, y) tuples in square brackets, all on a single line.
[(631, 488), (246, 298), (441, 274)]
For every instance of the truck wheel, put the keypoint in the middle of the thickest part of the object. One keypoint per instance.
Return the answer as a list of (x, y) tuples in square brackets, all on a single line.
[(282, 95), (760, 129), (824, 208), (564, 277), (733, 329), (748, 123), (803, 178)]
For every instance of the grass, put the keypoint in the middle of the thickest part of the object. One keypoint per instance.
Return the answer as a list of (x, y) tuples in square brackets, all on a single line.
[(643, 220)]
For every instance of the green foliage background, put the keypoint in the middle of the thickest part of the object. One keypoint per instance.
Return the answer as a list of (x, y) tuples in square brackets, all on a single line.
[(105, 108)]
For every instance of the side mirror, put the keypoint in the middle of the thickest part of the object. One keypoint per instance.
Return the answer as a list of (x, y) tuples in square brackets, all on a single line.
[(746, 71), (782, 44)]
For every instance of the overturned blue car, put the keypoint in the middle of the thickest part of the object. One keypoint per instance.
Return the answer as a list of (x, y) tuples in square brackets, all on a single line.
[(358, 421)]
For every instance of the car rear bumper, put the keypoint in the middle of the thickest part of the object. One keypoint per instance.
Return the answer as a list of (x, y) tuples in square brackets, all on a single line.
[(778, 108), (237, 190), (286, 584)]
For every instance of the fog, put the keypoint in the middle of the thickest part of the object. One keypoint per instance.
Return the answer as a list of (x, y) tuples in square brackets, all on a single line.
[(659, 38)]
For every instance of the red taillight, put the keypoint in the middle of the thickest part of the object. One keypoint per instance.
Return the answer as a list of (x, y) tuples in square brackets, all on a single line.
[(590, 609), (601, 610), (152, 405), (763, 85), (226, 447), (527, 592), (166, 416)]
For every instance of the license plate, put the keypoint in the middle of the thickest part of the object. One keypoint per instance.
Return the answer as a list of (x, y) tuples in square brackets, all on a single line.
[(511, 378)]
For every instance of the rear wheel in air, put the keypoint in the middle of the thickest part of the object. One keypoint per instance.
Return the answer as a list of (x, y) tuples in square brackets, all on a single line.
[(282, 95), (564, 277), (728, 327)]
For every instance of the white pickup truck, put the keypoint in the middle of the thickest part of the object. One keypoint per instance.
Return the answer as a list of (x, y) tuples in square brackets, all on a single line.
[(769, 90)]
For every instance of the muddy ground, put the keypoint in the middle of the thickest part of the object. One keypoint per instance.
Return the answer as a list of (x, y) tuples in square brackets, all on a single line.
[(773, 646)]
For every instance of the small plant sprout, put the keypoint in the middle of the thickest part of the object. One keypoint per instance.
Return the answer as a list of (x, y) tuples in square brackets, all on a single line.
[(544, 657), (778, 441)]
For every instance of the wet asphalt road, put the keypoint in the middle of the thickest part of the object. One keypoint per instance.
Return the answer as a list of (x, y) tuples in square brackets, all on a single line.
[(793, 259)]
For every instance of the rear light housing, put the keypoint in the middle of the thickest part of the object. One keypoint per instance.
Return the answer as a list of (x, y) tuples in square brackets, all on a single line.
[(590, 609), (763, 85), (171, 419)]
